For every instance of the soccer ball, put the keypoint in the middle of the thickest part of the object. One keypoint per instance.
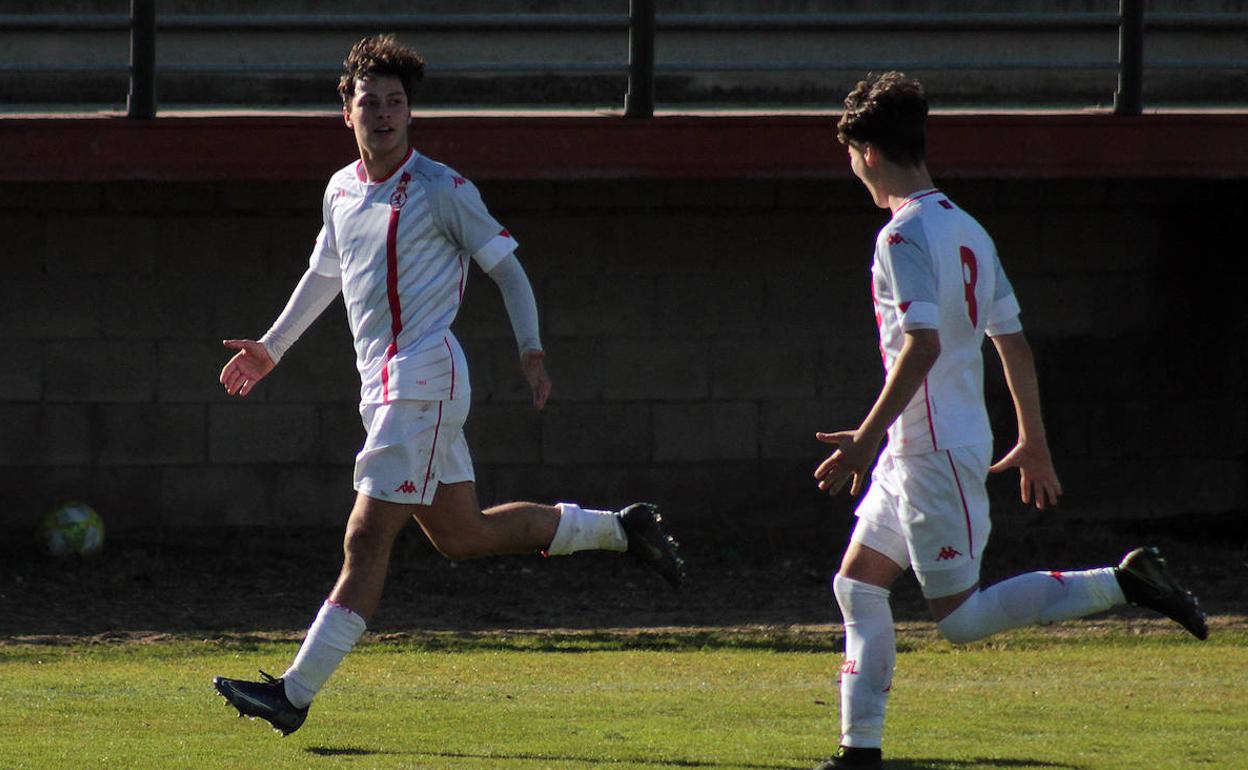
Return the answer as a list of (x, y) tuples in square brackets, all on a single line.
[(72, 529)]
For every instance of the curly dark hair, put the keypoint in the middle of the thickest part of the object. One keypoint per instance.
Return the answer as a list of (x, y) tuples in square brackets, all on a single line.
[(380, 55), (890, 114)]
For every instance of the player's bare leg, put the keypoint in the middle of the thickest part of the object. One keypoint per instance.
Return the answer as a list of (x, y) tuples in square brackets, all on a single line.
[(371, 531), (459, 529), (283, 702)]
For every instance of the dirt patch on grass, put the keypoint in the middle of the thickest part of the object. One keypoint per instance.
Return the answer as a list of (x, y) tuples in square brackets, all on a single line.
[(236, 584)]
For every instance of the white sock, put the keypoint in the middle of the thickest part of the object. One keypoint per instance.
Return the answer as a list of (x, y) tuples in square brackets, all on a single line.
[(332, 635), (582, 530), (870, 654), (1036, 597)]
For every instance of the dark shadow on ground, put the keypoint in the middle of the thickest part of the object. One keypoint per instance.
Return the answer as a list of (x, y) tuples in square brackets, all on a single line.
[(591, 761), (891, 764), (342, 751), (235, 582), (971, 764)]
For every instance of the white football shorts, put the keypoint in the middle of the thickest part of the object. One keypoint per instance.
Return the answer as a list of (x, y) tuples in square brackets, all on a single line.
[(412, 446), (930, 512)]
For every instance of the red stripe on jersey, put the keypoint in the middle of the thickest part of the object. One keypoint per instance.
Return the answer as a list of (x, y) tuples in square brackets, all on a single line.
[(461, 278), (402, 163), (927, 402), (392, 293), (908, 201), (432, 451), (450, 353), (966, 512), (361, 172)]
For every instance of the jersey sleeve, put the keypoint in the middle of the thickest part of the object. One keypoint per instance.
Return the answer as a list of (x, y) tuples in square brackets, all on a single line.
[(461, 214), (909, 265), (325, 259), (1003, 317)]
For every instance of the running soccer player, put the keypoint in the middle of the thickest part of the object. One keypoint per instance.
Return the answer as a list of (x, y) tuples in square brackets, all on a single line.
[(938, 288), (398, 232)]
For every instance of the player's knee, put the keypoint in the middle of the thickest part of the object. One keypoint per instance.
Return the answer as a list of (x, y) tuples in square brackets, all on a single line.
[(842, 589), (857, 598), (362, 541)]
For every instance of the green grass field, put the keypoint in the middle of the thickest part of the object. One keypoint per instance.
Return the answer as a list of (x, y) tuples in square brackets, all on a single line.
[(1094, 696)]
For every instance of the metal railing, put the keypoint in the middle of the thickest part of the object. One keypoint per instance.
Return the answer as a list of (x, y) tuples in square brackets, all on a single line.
[(643, 25)]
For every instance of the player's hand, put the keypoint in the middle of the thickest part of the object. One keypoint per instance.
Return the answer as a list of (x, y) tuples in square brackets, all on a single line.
[(1038, 482), (531, 363), (852, 460), (248, 366)]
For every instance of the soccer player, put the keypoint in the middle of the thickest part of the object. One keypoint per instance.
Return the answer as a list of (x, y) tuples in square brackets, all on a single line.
[(398, 232), (938, 288)]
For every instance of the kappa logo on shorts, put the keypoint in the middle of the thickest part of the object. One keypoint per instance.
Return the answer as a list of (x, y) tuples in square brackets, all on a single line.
[(407, 488), (947, 553)]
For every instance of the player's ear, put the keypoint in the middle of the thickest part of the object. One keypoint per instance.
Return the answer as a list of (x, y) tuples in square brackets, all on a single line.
[(346, 116), (870, 155)]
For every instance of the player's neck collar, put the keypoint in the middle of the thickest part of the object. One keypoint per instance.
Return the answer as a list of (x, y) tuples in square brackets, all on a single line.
[(914, 196), (361, 173)]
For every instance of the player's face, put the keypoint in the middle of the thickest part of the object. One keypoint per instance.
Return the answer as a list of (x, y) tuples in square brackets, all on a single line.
[(865, 173), (379, 115)]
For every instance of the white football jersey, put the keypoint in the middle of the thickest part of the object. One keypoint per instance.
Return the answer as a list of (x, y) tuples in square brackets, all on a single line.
[(936, 268), (401, 246)]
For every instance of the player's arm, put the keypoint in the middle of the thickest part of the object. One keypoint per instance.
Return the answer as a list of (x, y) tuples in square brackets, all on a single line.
[(521, 306), (462, 216), (1038, 482), (907, 273), (256, 358), (857, 449)]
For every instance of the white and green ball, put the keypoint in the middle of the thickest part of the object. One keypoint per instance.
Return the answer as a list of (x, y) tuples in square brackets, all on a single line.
[(72, 529)]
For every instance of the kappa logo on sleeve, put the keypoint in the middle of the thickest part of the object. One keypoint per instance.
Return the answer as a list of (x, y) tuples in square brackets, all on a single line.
[(947, 553), (458, 181), (895, 238)]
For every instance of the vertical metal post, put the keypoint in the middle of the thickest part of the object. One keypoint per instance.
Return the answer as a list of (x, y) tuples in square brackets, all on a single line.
[(141, 101), (639, 101), (1129, 98)]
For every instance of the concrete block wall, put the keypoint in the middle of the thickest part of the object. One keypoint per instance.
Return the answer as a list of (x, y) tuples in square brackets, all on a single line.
[(698, 335)]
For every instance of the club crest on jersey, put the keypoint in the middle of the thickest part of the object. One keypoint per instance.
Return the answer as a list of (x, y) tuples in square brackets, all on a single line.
[(399, 196)]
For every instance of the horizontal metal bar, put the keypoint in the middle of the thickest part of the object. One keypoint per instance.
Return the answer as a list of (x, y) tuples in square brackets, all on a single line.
[(970, 21), (746, 22), (57, 22), (40, 69), (589, 22), (302, 22), (591, 68), (470, 68), (884, 64)]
